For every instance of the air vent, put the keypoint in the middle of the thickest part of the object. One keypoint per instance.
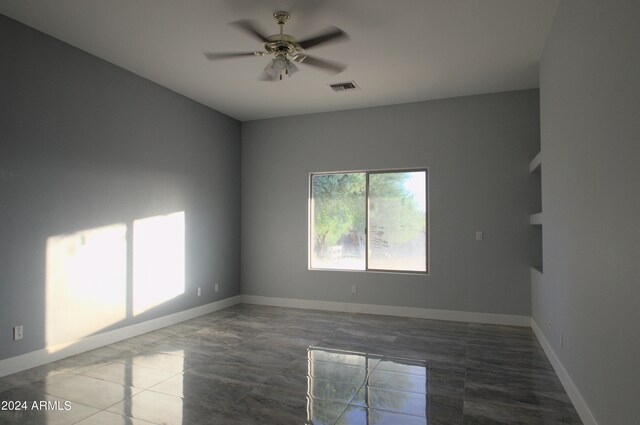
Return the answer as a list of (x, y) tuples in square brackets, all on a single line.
[(347, 86)]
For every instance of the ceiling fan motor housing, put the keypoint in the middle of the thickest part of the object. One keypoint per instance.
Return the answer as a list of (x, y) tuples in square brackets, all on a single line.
[(283, 43)]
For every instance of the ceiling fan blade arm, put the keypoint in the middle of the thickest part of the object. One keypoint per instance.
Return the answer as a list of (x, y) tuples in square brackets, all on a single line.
[(298, 57), (331, 35), (251, 28), (323, 64), (228, 55)]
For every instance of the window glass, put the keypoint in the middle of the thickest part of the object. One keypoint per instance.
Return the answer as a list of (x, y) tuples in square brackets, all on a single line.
[(397, 221), (338, 204)]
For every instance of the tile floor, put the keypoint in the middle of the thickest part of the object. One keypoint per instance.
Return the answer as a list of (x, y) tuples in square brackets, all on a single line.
[(265, 365)]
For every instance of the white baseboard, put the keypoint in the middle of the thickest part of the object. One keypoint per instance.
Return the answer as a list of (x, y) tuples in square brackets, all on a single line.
[(576, 398), (47, 355), (388, 310)]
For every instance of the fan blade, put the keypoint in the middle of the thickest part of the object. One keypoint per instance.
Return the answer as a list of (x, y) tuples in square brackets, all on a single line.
[(252, 28), (332, 34), (324, 64), (228, 55)]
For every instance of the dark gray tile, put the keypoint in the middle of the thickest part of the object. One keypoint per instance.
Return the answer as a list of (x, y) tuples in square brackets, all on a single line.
[(446, 381), (296, 383), (510, 379), (253, 364), (358, 345), (109, 418), (270, 349), (90, 391), (193, 344), (5, 386), (129, 374), (258, 358), (200, 390), (443, 409), (38, 376), (228, 371), (433, 350), (489, 412), (358, 415), (173, 361), (275, 409), (166, 409)]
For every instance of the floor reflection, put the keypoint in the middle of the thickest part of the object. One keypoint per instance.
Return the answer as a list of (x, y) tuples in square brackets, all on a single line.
[(346, 387)]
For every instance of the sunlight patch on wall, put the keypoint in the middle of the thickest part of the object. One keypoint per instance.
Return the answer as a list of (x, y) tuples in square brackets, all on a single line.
[(86, 283), (158, 260)]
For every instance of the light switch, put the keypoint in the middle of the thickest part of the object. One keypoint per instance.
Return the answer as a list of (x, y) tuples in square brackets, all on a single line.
[(478, 236)]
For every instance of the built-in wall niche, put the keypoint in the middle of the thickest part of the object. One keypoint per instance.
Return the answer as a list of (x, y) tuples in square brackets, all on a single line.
[(536, 248), (536, 217)]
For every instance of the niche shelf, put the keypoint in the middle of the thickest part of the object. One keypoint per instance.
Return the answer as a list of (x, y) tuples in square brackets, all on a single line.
[(536, 219), (535, 163)]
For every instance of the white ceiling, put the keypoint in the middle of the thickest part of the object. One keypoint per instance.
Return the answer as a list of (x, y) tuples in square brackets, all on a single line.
[(399, 51)]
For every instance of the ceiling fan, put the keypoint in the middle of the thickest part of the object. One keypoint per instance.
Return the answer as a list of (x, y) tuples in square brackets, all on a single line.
[(285, 49)]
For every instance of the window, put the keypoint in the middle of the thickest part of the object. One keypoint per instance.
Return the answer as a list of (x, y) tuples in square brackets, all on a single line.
[(371, 220)]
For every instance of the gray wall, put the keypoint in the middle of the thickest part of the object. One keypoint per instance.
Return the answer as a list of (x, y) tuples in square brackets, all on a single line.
[(590, 103), (85, 144), (477, 150)]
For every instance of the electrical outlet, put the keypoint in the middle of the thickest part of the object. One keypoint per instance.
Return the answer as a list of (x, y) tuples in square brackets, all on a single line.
[(199, 291), (216, 287), (478, 236), (17, 333), (354, 289), (549, 323)]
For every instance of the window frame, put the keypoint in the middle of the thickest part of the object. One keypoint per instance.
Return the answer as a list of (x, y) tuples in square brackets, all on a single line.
[(367, 173)]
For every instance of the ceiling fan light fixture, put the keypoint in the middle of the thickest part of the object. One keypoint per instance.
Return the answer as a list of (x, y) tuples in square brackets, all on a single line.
[(279, 67), (291, 68)]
